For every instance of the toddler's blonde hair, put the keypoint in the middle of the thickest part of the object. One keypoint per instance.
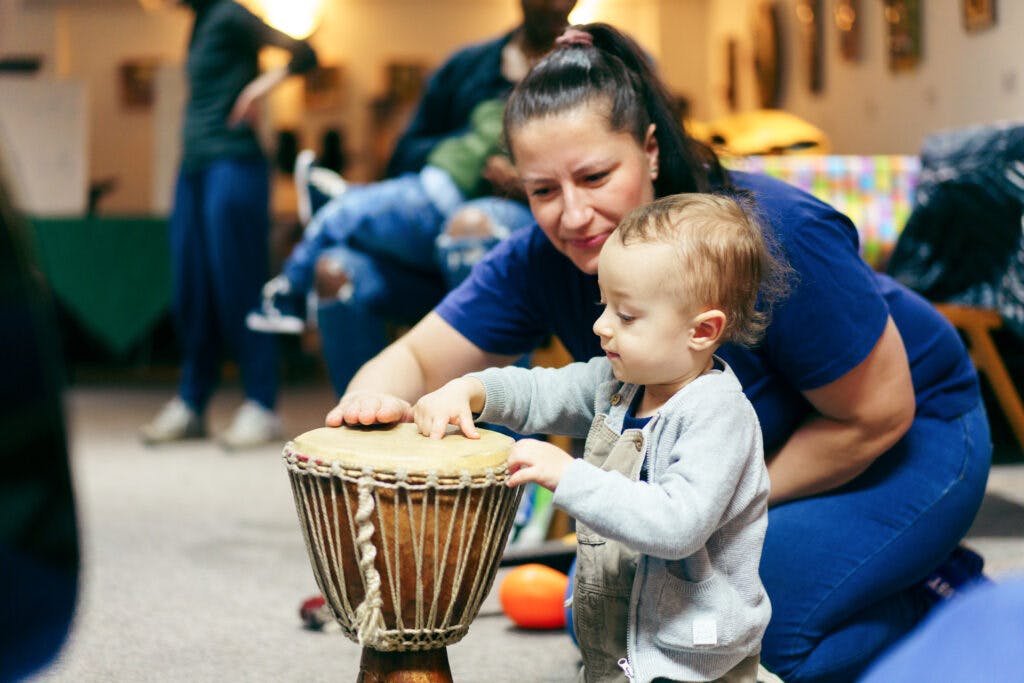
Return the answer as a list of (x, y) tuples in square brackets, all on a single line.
[(724, 258)]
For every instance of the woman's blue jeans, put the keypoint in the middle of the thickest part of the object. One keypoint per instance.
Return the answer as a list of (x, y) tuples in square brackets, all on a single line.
[(843, 569)]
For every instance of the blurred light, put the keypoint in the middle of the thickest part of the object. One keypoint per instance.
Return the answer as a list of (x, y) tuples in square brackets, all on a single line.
[(297, 18), (155, 5), (586, 12)]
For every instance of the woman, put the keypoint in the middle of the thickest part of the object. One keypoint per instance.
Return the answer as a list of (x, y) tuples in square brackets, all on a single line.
[(878, 448)]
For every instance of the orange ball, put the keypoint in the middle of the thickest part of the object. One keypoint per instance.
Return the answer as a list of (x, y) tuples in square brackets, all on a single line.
[(533, 595)]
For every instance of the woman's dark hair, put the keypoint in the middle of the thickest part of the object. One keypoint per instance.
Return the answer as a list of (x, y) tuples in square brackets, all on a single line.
[(614, 69)]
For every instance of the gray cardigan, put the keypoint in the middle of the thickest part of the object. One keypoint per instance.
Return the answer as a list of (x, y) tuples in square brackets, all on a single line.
[(698, 606)]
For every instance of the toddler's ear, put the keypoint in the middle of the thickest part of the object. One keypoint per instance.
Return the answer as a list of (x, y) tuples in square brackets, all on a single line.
[(707, 329)]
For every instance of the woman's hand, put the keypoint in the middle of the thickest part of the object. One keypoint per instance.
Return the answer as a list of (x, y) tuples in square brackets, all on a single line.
[(422, 359), (538, 461), (454, 403), (367, 408)]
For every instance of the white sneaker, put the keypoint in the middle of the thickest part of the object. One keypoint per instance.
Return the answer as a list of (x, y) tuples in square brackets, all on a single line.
[(253, 426), (281, 310), (175, 422)]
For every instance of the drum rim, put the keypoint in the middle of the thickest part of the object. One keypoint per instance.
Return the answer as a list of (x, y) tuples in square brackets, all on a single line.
[(452, 456)]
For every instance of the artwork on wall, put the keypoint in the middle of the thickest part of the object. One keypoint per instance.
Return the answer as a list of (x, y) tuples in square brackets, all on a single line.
[(324, 88), (768, 54), (809, 13), (903, 18), (137, 78), (731, 74), (979, 14), (405, 80), (847, 18)]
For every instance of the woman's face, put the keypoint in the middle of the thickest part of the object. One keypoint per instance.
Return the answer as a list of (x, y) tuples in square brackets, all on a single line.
[(582, 178)]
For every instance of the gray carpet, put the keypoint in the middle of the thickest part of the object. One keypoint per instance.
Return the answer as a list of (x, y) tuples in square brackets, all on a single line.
[(194, 565)]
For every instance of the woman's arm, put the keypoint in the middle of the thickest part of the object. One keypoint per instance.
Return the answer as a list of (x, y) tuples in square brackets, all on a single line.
[(430, 354), (859, 417)]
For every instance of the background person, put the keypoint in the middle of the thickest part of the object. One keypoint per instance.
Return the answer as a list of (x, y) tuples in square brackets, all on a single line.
[(39, 545), (220, 224), (358, 291), (382, 236), (875, 435)]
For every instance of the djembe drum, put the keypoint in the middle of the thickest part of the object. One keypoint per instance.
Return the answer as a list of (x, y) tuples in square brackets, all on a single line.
[(404, 534)]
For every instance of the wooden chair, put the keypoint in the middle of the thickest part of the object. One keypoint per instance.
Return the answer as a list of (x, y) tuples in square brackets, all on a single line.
[(978, 324)]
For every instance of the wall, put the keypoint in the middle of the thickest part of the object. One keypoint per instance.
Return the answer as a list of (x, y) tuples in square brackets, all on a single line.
[(87, 40), (962, 79), (864, 108)]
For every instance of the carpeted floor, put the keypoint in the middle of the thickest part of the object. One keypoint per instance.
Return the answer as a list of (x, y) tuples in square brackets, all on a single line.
[(194, 565)]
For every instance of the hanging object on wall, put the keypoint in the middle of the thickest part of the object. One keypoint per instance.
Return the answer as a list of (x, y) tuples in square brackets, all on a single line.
[(325, 88), (809, 14), (847, 17), (731, 74), (137, 78), (903, 18), (768, 54), (979, 15)]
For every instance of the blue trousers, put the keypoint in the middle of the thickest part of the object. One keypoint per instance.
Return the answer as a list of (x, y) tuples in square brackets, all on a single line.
[(395, 219), (383, 236), (843, 569), (219, 233)]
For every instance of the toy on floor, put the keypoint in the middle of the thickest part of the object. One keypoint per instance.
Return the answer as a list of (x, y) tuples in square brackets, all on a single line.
[(533, 596)]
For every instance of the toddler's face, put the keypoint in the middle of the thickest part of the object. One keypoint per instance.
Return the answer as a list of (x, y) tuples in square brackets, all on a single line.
[(646, 326)]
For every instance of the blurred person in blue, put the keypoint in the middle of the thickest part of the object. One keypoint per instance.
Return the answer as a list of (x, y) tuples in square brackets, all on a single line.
[(383, 253), (39, 550), (975, 637)]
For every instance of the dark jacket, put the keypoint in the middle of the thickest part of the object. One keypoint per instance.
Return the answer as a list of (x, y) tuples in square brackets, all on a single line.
[(963, 241), (467, 78)]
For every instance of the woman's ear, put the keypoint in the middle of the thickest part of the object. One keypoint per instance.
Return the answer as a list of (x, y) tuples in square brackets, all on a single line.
[(707, 329), (651, 150)]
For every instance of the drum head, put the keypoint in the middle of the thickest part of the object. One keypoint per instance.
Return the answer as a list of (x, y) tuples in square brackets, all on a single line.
[(401, 446)]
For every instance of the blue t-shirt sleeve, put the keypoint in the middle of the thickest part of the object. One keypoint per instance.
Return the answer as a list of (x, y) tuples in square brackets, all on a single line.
[(834, 313), (496, 307)]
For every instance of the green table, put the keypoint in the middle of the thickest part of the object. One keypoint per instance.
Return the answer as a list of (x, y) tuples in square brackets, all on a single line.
[(112, 273)]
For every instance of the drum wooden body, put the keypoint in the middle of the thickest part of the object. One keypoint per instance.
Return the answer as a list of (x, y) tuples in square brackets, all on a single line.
[(404, 533)]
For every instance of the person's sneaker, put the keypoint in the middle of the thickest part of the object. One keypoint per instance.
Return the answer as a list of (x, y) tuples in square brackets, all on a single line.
[(961, 570), (282, 310), (175, 422), (314, 185), (253, 426)]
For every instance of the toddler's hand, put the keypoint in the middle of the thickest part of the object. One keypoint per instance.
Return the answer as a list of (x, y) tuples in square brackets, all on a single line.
[(451, 404), (538, 461)]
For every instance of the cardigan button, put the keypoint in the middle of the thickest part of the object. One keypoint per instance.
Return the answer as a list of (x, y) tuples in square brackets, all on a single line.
[(616, 399)]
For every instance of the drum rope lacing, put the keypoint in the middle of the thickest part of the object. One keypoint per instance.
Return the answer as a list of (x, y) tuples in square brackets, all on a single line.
[(435, 624), (369, 618)]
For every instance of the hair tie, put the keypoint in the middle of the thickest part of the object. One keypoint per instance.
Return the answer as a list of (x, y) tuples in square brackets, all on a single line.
[(574, 36)]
